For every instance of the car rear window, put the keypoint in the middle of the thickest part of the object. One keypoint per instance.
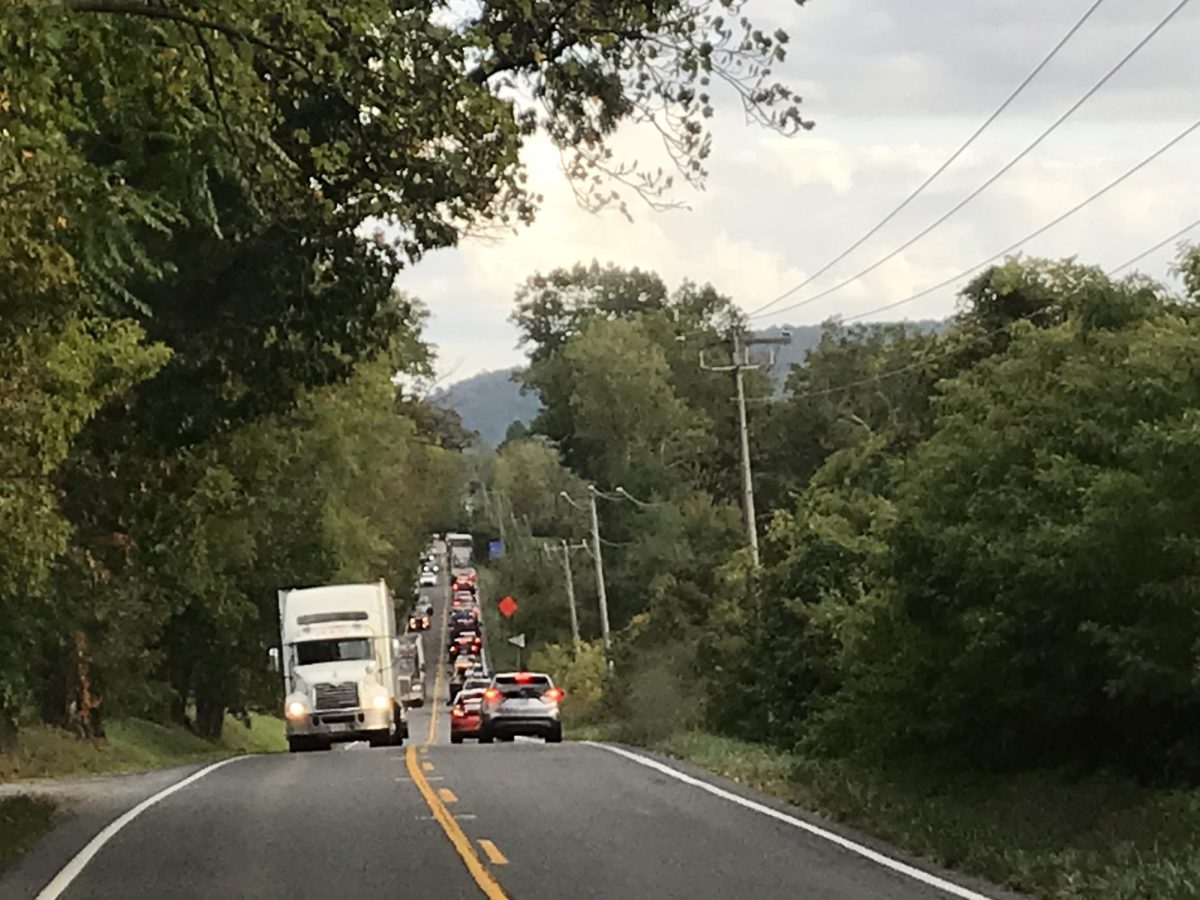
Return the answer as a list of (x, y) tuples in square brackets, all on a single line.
[(523, 686)]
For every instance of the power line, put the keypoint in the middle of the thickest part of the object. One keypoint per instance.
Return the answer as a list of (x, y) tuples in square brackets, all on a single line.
[(995, 177), (925, 360), (919, 363), (943, 167), (1137, 259), (1034, 234)]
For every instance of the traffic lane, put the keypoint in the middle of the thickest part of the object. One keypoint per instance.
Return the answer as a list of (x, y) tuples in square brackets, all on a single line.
[(579, 821), (87, 805), (418, 717), (341, 823)]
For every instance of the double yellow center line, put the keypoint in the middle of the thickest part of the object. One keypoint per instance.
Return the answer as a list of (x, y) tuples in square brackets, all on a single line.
[(458, 838), (437, 804)]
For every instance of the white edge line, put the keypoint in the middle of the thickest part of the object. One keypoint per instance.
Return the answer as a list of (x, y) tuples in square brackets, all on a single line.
[(71, 870), (874, 856)]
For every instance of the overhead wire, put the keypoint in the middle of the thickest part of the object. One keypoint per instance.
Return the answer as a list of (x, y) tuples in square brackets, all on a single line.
[(986, 184), (958, 276), (950, 351), (1168, 240), (1016, 92)]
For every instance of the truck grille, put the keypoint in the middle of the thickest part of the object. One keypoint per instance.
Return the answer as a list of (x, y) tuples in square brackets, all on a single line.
[(336, 696)]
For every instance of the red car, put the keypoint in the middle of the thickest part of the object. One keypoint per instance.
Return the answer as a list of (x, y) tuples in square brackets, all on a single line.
[(464, 716)]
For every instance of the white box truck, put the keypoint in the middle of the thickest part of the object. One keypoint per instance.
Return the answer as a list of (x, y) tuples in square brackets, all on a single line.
[(339, 660), (459, 547)]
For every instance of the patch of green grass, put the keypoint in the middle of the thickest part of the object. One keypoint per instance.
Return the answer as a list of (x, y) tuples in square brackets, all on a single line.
[(265, 735), (23, 820), (1046, 833), (129, 745)]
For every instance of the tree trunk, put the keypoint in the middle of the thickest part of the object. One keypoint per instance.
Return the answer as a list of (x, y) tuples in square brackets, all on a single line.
[(82, 713), (8, 728), (210, 714)]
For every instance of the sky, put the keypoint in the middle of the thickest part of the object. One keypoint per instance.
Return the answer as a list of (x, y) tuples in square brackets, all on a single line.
[(894, 88)]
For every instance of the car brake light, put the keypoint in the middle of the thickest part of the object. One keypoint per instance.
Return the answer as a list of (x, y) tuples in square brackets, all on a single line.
[(491, 694), (522, 677), (458, 712), (555, 694)]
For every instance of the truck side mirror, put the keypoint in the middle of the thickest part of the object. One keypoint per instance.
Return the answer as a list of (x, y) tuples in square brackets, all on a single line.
[(395, 646), (273, 659)]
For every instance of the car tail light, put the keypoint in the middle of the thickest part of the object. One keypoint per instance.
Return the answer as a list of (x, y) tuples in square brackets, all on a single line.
[(522, 677), (554, 694), (491, 695), (458, 712)]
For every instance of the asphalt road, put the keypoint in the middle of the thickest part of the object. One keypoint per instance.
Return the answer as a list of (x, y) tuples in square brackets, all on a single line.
[(520, 820)]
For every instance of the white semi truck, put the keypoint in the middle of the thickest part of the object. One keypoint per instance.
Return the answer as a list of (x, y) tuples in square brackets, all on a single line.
[(341, 677)]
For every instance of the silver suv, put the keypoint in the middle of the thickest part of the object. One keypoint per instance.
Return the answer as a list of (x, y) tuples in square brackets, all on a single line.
[(523, 703)]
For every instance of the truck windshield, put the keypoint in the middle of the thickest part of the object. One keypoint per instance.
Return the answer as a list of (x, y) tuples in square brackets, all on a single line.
[(332, 650)]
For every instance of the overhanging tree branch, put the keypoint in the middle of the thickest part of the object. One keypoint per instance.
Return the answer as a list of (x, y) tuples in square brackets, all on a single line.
[(125, 8)]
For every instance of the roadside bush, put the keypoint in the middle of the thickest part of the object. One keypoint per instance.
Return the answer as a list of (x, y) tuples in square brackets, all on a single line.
[(581, 676)]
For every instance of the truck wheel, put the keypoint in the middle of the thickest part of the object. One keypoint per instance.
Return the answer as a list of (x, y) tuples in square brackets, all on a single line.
[(485, 736), (299, 744), (380, 738), (456, 738)]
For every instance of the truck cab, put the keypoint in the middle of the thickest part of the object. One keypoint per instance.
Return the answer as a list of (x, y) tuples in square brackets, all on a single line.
[(339, 663)]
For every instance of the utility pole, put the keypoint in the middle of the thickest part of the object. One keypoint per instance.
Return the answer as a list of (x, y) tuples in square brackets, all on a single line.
[(599, 561), (566, 548), (744, 435), (566, 552), (740, 362)]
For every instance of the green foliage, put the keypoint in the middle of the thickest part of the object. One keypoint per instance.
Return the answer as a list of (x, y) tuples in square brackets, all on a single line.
[(978, 591), (198, 334), (1036, 549), (1045, 833), (132, 745), (978, 544), (56, 381), (581, 675), (527, 480)]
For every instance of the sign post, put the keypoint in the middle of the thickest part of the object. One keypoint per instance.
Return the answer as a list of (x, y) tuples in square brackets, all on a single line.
[(508, 608), (519, 642)]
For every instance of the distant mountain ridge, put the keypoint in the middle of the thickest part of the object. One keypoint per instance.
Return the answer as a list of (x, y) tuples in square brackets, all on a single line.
[(491, 401), (488, 403)]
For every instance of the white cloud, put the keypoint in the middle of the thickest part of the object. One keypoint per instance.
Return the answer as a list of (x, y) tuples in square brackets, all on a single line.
[(893, 96)]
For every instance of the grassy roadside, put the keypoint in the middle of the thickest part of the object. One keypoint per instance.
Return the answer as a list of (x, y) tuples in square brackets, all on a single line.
[(130, 745), (1044, 833), (22, 821)]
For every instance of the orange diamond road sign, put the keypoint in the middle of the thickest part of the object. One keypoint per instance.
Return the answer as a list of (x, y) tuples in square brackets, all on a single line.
[(507, 606)]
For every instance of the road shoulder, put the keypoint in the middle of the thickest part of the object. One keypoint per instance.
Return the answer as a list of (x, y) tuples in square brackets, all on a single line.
[(760, 798), (86, 805)]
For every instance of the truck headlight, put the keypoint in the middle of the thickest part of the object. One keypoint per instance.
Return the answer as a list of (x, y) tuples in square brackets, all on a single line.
[(381, 701), (296, 710)]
